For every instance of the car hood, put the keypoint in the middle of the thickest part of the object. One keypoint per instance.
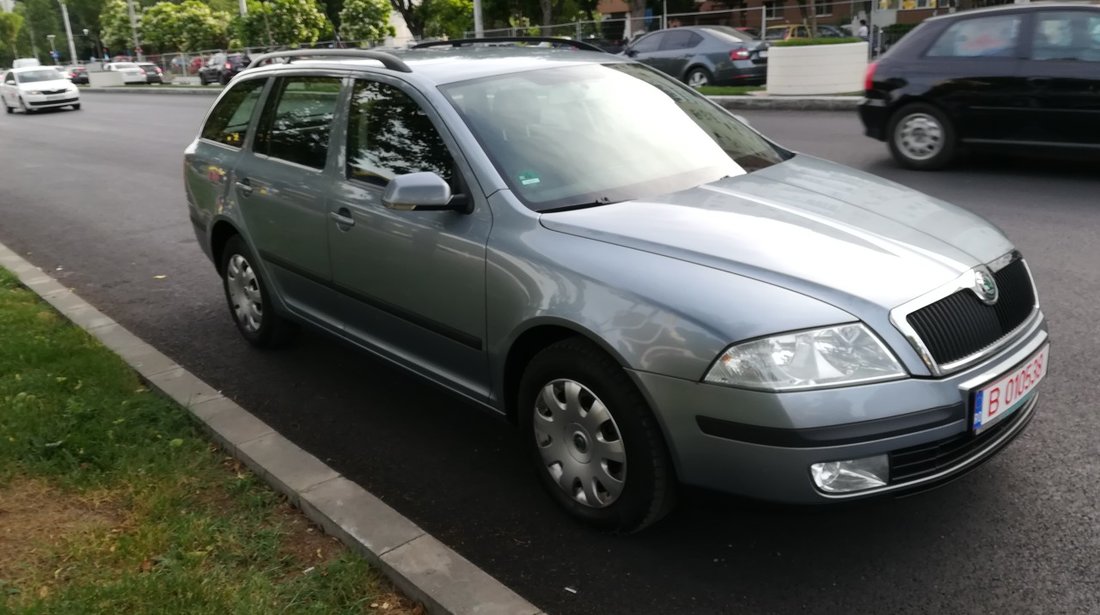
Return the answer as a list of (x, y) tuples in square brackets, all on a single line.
[(812, 226), (52, 84)]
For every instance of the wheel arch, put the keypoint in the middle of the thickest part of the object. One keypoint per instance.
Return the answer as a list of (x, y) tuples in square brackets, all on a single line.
[(220, 234)]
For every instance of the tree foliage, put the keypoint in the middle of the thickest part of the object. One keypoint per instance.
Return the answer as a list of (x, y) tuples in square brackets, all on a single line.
[(188, 26), (447, 18), (283, 23), (10, 26), (114, 21), (366, 20)]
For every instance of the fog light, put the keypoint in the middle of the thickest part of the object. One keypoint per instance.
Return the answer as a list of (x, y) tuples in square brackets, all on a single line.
[(852, 474)]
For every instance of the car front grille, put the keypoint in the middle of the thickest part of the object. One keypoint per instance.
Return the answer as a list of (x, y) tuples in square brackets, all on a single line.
[(960, 325), (923, 460), (47, 103), (53, 91)]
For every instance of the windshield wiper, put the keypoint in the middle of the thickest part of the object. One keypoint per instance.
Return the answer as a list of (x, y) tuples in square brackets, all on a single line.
[(603, 200)]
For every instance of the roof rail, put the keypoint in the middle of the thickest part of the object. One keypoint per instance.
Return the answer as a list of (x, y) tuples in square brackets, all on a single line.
[(459, 42), (388, 60)]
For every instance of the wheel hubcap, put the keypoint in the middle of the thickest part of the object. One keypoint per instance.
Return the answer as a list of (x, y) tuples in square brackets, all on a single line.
[(244, 293), (580, 444), (697, 80), (919, 136)]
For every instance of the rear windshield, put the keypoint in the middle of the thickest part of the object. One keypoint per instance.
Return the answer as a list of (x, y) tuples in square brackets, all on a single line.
[(594, 134)]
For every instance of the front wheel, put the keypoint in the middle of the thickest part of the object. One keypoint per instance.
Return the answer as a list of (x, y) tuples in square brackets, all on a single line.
[(23, 106), (202, 79), (248, 298), (922, 137), (698, 77), (594, 441), (76, 107)]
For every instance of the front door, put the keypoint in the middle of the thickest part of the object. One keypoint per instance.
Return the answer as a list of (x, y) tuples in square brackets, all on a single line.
[(1063, 75), (413, 282), (281, 185)]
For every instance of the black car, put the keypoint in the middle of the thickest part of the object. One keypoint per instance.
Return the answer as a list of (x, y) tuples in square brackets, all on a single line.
[(1023, 76), (704, 55), (78, 75), (220, 68)]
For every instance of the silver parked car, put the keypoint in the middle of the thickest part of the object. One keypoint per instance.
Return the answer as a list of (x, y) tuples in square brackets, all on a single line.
[(654, 303)]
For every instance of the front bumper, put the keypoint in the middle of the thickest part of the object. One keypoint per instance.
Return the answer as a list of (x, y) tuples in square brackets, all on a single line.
[(43, 101), (761, 445)]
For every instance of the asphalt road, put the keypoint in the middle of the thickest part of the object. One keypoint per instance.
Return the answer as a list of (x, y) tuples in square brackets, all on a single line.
[(96, 197)]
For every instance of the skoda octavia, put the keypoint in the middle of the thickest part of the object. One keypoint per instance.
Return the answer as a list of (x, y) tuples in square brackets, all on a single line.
[(653, 303)]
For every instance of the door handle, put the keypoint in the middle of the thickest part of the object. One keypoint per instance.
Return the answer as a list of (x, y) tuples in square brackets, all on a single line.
[(243, 186), (342, 217)]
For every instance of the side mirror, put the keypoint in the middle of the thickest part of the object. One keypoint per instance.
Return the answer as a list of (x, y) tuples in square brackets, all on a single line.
[(423, 191), (630, 53)]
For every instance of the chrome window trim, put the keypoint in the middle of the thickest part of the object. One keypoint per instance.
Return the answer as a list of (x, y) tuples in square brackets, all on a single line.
[(965, 281)]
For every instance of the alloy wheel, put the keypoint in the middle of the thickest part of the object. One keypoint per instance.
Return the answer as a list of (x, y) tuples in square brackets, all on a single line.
[(919, 136)]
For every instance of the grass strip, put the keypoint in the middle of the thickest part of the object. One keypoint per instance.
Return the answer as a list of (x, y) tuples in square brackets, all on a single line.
[(729, 90), (113, 501)]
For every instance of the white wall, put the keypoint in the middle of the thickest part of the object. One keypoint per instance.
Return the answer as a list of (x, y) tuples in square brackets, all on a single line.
[(817, 69)]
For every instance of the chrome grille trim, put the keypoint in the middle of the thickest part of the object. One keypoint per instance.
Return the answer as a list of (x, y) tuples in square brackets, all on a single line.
[(965, 281)]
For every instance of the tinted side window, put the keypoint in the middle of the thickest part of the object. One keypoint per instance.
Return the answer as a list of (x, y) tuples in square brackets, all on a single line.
[(297, 120), (389, 134), (1067, 35), (680, 39), (649, 43), (228, 122), (980, 37)]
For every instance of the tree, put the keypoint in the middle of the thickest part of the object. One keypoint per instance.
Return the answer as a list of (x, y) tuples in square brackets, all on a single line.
[(283, 22), (366, 20), (114, 22), (411, 12), (10, 26), (447, 18), (189, 26)]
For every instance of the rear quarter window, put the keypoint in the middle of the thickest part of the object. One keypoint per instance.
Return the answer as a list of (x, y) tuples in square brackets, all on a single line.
[(228, 122), (996, 36)]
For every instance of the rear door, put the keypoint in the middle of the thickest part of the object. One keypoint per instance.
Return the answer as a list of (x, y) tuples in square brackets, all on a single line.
[(647, 49), (1062, 72), (973, 69), (676, 51), (281, 183)]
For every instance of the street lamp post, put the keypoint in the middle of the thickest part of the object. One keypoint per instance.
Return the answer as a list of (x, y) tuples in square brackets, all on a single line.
[(97, 47), (68, 30), (53, 50)]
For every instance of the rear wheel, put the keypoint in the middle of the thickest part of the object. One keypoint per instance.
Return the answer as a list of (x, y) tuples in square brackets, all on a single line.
[(248, 298), (595, 444), (922, 137), (698, 77), (202, 79)]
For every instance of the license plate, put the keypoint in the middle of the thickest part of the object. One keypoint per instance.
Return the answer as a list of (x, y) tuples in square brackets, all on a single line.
[(55, 97), (1004, 396), (763, 54)]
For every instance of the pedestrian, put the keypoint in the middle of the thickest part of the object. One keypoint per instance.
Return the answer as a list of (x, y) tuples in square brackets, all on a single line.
[(863, 33)]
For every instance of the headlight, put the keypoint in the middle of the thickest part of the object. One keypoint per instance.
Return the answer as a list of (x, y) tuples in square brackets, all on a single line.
[(35, 92), (832, 356)]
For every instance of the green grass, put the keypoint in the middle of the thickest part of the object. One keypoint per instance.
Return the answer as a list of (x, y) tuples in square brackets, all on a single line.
[(806, 42), (729, 90), (112, 501)]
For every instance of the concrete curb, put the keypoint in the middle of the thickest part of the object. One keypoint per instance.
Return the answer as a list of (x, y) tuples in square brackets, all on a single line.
[(149, 89), (421, 566), (790, 103), (779, 103)]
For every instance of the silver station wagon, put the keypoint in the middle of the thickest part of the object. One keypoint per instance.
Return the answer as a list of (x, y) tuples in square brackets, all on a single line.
[(656, 294)]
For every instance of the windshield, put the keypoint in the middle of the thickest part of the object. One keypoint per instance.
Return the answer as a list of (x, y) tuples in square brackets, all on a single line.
[(593, 134), (31, 76)]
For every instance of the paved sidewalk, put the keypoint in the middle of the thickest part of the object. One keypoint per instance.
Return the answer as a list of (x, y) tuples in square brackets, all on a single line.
[(787, 103), (421, 566)]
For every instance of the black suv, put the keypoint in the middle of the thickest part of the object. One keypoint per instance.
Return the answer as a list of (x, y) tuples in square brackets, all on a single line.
[(220, 68), (1023, 77)]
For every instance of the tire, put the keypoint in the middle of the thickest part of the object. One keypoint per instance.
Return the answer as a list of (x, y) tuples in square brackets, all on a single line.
[(224, 79), (8, 109), (202, 79), (632, 486), (921, 137), (698, 77), (76, 107), (23, 106), (248, 298)]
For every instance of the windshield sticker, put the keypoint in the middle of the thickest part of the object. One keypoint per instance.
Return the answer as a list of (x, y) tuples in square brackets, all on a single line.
[(528, 178)]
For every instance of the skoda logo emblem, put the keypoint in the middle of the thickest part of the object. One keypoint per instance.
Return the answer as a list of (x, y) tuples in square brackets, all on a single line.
[(985, 287)]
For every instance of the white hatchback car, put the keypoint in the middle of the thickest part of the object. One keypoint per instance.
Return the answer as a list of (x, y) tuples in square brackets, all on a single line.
[(131, 72), (37, 87)]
